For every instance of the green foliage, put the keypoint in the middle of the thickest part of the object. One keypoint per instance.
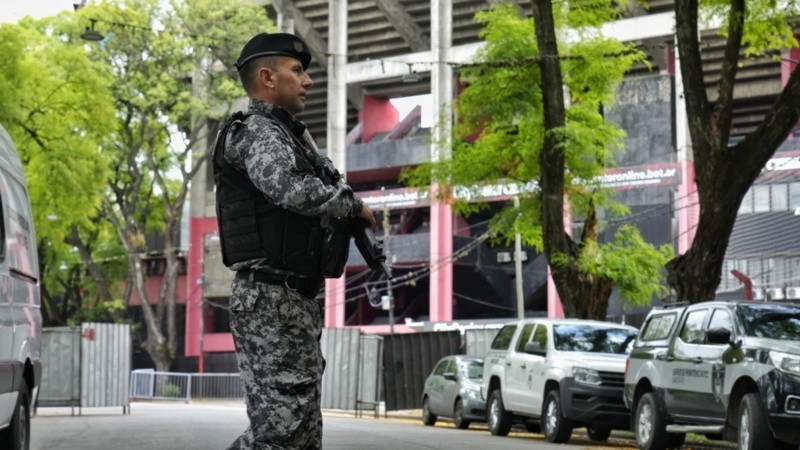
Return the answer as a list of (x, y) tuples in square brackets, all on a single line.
[(106, 129), (767, 23), (502, 105), (12, 49), (60, 109), (171, 390), (587, 15), (513, 220), (510, 127), (634, 265), (57, 105), (172, 65)]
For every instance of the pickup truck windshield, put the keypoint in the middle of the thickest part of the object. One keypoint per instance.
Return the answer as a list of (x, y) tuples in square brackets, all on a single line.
[(771, 321), (594, 339)]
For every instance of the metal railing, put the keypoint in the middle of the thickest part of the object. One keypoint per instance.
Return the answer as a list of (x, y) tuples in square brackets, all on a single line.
[(147, 384)]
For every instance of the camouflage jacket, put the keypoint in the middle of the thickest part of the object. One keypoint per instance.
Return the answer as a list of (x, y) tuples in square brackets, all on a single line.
[(263, 149)]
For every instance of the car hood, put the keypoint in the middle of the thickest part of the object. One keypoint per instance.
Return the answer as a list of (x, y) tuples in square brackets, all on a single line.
[(608, 362), (785, 346)]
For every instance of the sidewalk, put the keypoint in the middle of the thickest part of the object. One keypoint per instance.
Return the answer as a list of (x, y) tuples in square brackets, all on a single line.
[(408, 414)]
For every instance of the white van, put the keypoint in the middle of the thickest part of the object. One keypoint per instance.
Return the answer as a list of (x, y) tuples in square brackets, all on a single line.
[(20, 314)]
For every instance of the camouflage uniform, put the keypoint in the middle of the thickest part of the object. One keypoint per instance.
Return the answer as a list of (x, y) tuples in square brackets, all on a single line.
[(280, 361), (275, 329)]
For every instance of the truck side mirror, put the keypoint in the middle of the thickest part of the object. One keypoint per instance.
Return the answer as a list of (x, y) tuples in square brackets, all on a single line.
[(719, 336), (534, 348), (449, 376)]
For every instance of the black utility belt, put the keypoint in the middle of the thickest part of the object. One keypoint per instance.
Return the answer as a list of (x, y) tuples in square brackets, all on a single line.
[(304, 286)]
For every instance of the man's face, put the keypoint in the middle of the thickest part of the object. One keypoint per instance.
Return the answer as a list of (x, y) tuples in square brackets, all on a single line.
[(291, 85)]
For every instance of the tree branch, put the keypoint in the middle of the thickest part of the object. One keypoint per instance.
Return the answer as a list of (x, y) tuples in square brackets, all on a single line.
[(730, 64), (697, 106)]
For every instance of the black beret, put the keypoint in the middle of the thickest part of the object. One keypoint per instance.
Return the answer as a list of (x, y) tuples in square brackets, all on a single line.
[(285, 44)]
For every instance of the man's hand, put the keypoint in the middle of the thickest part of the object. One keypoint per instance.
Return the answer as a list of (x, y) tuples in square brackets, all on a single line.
[(367, 215)]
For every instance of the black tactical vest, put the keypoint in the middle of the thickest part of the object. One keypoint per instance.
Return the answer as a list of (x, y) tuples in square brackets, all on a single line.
[(251, 227)]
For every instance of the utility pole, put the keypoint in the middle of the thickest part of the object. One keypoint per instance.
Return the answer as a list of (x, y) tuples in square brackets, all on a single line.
[(518, 267), (387, 301)]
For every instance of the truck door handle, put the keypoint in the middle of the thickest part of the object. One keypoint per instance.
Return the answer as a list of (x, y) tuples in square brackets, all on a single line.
[(524, 366), (698, 360), (508, 363), (665, 357)]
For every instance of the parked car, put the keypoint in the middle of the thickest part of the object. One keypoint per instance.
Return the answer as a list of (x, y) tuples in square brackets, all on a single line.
[(20, 315), (453, 390), (724, 369), (565, 373)]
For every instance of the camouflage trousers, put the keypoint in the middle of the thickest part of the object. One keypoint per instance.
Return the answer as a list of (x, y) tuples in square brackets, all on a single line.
[(276, 332)]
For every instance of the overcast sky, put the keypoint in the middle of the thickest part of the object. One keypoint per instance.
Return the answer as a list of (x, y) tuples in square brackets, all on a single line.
[(13, 10)]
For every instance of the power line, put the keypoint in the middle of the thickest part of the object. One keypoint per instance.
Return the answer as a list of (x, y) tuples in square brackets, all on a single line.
[(481, 302), (412, 277)]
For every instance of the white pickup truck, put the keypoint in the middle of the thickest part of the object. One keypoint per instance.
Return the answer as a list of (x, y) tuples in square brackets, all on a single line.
[(567, 373)]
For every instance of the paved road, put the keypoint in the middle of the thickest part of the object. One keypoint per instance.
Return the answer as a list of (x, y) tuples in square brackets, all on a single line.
[(178, 426), (149, 426)]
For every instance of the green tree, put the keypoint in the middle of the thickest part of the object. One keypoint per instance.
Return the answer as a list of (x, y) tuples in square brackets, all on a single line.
[(524, 137), (12, 50), (57, 106), (172, 65), (724, 171)]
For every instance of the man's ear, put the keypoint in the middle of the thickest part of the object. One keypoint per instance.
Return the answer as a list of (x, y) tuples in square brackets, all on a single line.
[(266, 77)]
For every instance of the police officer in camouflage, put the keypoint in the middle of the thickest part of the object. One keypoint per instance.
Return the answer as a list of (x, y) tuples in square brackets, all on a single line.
[(272, 206)]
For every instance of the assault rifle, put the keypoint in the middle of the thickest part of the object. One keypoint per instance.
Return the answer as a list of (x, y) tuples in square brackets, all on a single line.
[(370, 247)]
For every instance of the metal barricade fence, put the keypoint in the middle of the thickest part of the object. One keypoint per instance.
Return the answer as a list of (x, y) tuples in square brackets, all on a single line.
[(147, 384), (217, 385), (356, 381), (152, 385)]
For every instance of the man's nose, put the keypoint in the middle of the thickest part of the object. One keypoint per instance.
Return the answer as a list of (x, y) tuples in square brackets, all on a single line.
[(307, 81)]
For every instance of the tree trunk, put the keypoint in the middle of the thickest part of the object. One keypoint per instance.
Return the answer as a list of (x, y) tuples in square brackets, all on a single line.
[(696, 274), (582, 296), (585, 297), (156, 344), (723, 173), (100, 280)]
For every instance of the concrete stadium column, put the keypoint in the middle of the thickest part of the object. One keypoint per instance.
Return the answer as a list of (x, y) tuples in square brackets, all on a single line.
[(199, 227), (688, 201), (199, 224), (337, 133), (441, 223)]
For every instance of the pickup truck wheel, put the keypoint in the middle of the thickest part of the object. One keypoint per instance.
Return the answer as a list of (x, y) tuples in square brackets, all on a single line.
[(458, 416), (428, 418), (649, 426), (598, 434), (753, 429), (499, 419), (17, 434), (555, 426)]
